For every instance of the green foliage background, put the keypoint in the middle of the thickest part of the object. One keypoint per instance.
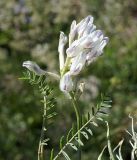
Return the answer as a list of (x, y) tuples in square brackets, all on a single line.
[(29, 30)]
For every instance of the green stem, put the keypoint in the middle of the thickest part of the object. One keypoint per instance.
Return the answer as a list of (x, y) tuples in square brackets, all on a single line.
[(78, 117), (65, 68), (41, 147), (109, 143)]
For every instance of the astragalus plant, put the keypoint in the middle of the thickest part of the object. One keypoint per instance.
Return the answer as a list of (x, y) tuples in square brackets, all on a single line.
[(80, 48)]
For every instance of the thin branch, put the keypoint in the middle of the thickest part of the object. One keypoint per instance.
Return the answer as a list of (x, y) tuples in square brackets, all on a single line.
[(40, 148), (109, 143)]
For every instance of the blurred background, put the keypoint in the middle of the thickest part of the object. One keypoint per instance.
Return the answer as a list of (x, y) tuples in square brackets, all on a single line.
[(29, 30)]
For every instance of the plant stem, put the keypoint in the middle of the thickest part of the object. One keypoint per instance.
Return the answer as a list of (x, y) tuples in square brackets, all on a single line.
[(67, 63), (109, 143), (78, 117), (40, 148)]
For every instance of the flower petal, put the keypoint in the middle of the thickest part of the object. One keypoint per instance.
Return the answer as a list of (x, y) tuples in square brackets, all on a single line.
[(66, 83), (83, 25), (62, 43), (78, 63), (32, 66), (73, 32)]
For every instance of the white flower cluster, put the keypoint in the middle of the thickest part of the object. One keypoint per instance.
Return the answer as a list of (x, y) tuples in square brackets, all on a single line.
[(86, 43)]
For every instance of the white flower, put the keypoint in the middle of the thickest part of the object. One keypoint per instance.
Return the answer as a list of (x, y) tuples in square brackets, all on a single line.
[(32, 66), (78, 63), (76, 47), (85, 26), (86, 44), (66, 83), (89, 39), (62, 43), (97, 49), (73, 32)]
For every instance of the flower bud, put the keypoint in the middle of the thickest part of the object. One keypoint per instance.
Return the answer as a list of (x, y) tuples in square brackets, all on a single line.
[(32, 66), (85, 42), (62, 43), (73, 31), (78, 63), (83, 26), (95, 47), (66, 83), (102, 45), (97, 50), (89, 29), (71, 51), (62, 39), (76, 47)]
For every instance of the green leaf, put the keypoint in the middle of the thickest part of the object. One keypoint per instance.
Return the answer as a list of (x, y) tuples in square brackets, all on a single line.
[(105, 105), (88, 116), (99, 118), (94, 123), (79, 141), (39, 79), (73, 129), (46, 140), (101, 154), (84, 134), (93, 110), (51, 115), (83, 119), (50, 106), (89, 131), (108, 101), (68, 135), (73, 146), (102, 112), (51, 154), (44, 144), (65, 155), (23, 78), (98, 106), (44, 129), (61, 142)]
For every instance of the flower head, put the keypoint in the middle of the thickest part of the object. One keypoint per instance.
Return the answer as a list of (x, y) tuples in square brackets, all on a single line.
[(86, 44)]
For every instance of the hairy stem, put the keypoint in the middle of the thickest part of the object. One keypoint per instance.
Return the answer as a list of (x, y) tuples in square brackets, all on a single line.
[(41, 146)]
